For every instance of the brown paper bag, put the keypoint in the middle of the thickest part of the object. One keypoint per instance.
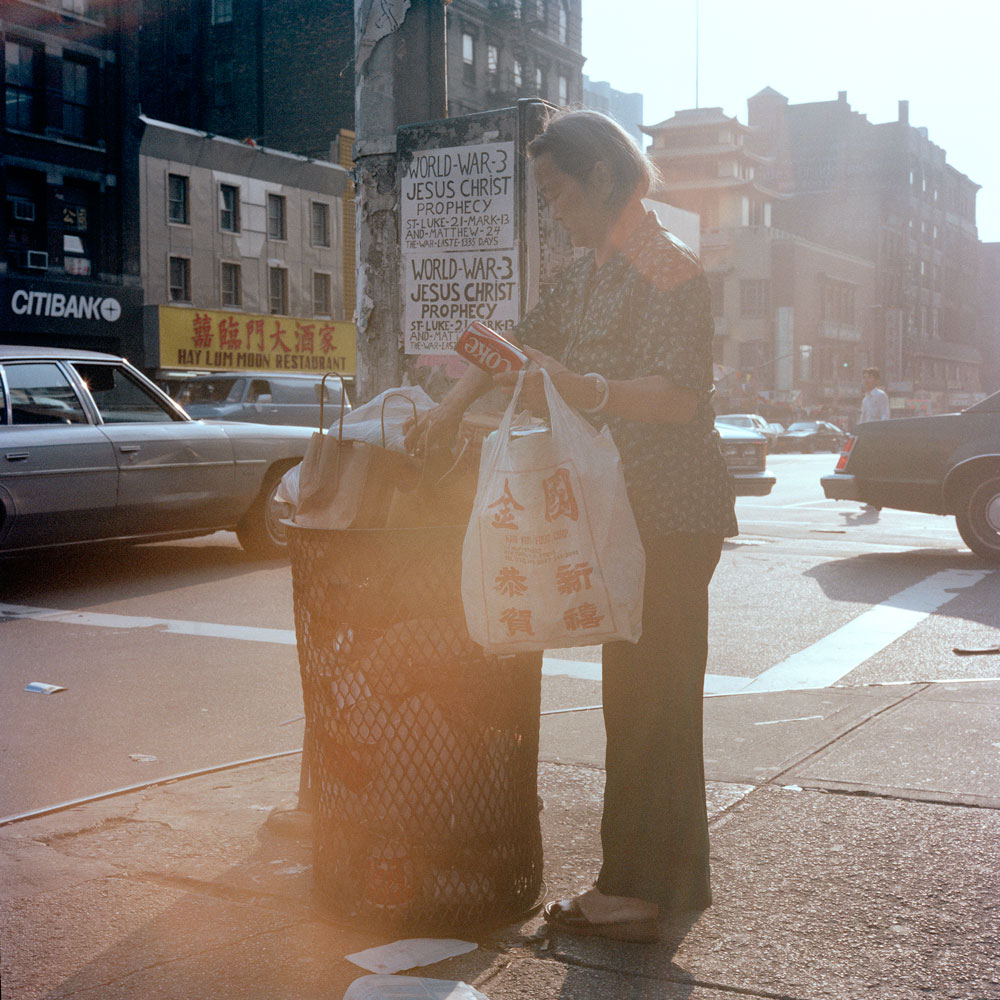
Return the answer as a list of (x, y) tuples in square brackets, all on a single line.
[(349, 484)]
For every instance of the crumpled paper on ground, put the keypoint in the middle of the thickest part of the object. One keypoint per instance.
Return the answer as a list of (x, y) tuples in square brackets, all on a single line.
[(410, 988), (409, 953)]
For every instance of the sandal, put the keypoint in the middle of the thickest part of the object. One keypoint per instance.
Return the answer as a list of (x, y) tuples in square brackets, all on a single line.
[(566, 915)]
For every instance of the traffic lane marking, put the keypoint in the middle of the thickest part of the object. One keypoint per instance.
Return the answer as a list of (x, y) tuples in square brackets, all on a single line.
[(837, 654), (279, 636), (819, 665)]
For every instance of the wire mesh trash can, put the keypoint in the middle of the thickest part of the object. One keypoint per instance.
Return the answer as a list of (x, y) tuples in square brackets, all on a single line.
[(422, 750)]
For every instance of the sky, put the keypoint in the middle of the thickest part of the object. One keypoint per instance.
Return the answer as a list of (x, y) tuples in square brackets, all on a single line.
[(940, 55)]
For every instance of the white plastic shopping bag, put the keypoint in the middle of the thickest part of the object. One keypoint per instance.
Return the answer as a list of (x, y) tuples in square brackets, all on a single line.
[(552, 556)]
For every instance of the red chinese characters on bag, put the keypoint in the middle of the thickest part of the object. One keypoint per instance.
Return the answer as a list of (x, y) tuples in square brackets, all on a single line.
[(560, 500), (511, 582), (505, 508)]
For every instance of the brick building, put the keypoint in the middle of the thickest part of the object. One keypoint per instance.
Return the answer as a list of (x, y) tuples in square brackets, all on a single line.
[(241, 252), (281, 73), (865, 228), (69, 257), (502, 50), (885, 192)]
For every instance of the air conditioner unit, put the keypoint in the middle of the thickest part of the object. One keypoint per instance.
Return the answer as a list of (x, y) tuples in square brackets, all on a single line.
[(36, 260)]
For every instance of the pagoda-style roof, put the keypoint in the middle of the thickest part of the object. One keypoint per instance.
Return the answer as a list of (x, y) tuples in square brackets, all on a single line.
[(694, 118)]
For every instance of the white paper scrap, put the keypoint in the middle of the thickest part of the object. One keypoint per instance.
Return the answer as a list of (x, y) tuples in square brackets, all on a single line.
[(410, 988), (410, 953), (42, 688)]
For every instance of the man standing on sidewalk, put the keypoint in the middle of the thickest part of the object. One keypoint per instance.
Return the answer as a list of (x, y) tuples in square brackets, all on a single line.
[(875, 404)]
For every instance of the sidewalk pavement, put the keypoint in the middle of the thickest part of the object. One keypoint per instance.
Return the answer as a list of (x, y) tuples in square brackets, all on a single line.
[(855, 845)]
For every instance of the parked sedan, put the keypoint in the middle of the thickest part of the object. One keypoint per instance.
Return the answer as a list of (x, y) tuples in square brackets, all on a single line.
[(261, 397), (811, 435), (93, 451), (948, 464), (751, 421), (745, 452)]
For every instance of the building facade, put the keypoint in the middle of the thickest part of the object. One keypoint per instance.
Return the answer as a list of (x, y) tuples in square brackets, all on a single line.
[(281, 74), (885, 192), (502, 50), (831, 244), (241, 255), (69, 258)]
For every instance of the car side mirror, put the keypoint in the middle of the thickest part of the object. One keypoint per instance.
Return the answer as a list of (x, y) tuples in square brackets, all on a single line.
[(264, 399)]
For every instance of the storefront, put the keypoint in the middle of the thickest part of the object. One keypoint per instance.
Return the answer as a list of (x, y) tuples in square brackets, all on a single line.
[(191, 339), (88, 315)]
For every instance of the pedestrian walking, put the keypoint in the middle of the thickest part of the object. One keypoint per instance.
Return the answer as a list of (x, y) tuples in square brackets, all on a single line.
[(874, 406), (626, 335), (874, 403)]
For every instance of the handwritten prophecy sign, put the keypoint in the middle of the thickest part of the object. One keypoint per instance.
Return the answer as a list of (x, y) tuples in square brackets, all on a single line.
[(459, 260)]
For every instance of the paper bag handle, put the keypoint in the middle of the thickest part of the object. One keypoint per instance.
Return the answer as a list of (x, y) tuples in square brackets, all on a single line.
[(386, 399), (322, 399)]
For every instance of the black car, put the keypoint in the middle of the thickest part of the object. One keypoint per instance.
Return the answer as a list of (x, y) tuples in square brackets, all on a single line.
[(745, 452), (948, 464), (811, 435)]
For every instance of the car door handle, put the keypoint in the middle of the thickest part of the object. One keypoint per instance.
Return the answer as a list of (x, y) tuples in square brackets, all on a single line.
[(128, 449), (16, 456)]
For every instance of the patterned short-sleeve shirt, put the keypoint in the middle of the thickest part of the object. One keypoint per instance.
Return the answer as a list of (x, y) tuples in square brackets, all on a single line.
[(646, 311)]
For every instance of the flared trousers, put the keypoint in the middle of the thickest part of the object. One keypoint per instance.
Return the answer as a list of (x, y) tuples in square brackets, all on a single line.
[(654, 829)]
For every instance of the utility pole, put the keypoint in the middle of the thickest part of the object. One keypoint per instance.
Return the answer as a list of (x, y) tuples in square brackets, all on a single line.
[(400, 63)]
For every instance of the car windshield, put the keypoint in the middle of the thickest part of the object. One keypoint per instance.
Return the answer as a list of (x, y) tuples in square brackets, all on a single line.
[(803, 427), (205, 390)]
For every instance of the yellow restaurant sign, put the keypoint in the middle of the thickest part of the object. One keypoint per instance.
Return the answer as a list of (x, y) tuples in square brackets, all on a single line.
[(236, 341)]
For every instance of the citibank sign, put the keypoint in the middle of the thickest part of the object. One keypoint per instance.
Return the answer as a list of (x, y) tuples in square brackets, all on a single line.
[(60, 306)]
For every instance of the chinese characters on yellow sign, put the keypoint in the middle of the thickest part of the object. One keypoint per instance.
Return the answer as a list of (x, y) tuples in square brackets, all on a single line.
[(218, 340)]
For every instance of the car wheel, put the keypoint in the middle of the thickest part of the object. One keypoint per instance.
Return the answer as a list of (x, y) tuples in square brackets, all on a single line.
[(978, 519), (261, 532)]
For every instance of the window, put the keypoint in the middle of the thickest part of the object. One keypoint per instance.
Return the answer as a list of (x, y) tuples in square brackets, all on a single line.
[(492, 64), (320, 224), (753, 298), (563, 91), (75, 6), (518, 74), (78, 98), (468, 58), (516, 6), (279, 290), (229, 208), (563, 22), (23, 66), (321, 294), (223, 78), (540, 81), (41, 394), (180, 279), (177, 198), (275, 217), (231, 285), (222, 11), (120, 398)]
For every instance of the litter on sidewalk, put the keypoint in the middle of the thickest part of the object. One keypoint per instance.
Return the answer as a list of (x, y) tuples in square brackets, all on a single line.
[(410, 988), (39, 687), (409, 953)]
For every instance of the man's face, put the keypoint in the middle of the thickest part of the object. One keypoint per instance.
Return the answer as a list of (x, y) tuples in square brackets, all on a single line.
[(868, 382)]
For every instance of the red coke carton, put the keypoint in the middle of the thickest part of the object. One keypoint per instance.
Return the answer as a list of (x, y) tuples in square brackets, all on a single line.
[(487, 349)]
